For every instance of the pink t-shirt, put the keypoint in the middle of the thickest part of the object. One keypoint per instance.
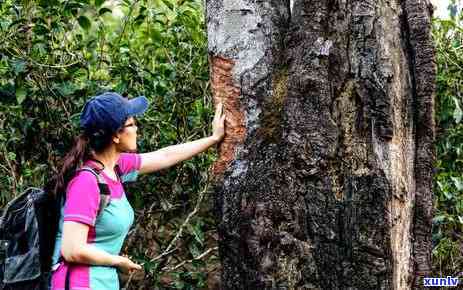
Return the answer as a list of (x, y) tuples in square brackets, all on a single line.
[(82, 205), (106, 231)]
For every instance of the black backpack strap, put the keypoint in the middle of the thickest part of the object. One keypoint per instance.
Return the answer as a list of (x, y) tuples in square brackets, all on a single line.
[(119, 174), (105, 194), (68, 278), (118, 171)]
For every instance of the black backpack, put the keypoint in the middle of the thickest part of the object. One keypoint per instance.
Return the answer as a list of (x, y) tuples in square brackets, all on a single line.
[(28, 229)]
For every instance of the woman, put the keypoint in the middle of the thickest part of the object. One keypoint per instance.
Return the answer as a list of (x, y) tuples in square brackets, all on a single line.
[(88, 244)]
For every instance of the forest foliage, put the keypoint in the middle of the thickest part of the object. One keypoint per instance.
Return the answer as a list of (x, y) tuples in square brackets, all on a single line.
[(55, 54), (448, 185)]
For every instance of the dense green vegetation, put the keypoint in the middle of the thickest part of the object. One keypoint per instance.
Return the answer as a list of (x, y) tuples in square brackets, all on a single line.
[(448, 198), (55, 54)]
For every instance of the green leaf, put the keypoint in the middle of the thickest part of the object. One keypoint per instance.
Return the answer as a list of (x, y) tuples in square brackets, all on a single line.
[(441, 186), (194, 250), (84, 22), (98, 3), (169, 4), (66, 88), (72, 8), (123, 50), (75, 120), (19, 66), (458, 182), (459, 207), (21, 94), (41, 29), (448, 195), (11, 156), (438, 219), (139, 19), (457, 113), (179, 284), (197, 233), (156, 35), (104, 10)]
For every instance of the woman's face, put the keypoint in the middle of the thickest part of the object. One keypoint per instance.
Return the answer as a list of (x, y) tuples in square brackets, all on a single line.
[(128, 136)]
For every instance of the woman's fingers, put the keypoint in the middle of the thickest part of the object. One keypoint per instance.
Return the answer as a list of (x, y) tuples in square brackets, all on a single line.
[(218, 124), (218, 114), (218, 110), (134, 267), (128, 265)]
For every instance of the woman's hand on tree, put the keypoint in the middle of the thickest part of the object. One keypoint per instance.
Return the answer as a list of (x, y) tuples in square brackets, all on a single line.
[(125, 264), (218, 124)]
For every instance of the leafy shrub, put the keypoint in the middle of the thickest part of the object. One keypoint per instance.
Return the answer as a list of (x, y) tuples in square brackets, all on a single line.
[(448, 198)]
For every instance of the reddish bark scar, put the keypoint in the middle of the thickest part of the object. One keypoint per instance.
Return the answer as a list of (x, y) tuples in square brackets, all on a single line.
[(224, 90)]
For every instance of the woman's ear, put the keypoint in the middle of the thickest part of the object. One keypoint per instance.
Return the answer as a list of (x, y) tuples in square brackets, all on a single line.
[(116, 139)]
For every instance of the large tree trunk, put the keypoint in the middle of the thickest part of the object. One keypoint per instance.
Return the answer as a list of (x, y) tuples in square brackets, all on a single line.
[(325, 175)]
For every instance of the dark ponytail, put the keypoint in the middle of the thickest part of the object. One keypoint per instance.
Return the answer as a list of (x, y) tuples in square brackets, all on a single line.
[(80, 152), (83, 149)]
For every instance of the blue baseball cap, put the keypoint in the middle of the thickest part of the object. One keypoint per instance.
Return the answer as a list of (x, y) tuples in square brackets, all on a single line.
[(109, 111)]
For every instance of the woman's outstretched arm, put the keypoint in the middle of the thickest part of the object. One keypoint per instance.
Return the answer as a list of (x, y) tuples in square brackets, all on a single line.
[(171, 155)]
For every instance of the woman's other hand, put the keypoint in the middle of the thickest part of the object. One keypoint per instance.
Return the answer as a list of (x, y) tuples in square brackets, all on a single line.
[(125, 264), (218, 124)]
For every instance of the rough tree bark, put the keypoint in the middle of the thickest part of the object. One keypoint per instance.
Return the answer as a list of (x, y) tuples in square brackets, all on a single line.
[(325, 175)]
